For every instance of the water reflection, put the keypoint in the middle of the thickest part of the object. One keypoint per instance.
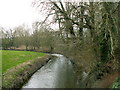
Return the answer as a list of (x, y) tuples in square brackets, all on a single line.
[(57, 73)]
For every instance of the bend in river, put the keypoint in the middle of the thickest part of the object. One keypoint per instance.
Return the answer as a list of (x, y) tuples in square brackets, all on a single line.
[(57, 73)]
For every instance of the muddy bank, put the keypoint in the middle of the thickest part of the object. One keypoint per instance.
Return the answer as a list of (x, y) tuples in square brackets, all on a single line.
[(19, 75), (102, 76), (99, 76)]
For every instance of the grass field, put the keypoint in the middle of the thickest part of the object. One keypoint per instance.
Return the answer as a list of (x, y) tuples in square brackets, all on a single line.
[(13, 58)]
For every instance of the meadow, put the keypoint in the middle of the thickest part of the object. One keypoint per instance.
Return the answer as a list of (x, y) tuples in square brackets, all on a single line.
[(11, 58)]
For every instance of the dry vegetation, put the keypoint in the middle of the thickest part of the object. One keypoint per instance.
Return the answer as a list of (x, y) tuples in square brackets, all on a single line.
[(89, 34)]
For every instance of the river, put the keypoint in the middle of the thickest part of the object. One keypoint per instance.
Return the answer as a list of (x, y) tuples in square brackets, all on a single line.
[(57, 73)]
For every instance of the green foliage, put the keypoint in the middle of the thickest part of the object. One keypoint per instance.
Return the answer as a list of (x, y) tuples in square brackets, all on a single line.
[(108, 31), (13, 58), (87, 31), (104, 47), (116, 83)]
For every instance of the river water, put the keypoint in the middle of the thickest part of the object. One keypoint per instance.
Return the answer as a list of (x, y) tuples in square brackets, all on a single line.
[(57, 73)]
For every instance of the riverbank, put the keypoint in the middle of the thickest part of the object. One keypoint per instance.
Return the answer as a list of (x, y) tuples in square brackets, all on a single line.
[(102, 76), (57, 73), (99, 76), (12, 58), (17, 76)]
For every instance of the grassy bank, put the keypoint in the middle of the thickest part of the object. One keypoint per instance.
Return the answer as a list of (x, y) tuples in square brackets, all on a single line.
[(13, 58), (24, 64)]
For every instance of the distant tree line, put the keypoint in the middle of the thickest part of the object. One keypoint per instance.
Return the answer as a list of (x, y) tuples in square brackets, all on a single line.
[(88, 31), (21, 36)]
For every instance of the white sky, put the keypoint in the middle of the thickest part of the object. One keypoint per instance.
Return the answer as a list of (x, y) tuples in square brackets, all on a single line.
[(17, 12)]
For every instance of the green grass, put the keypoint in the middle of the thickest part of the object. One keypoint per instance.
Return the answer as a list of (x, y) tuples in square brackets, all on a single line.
[(13, 58)]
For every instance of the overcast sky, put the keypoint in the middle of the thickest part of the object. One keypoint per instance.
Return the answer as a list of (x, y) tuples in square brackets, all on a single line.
[(16, 12)]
